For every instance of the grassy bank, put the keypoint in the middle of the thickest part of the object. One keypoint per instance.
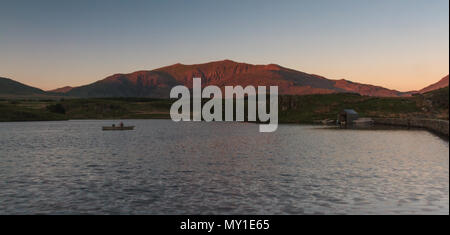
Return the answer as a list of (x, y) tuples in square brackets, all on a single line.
[(318, 107), (306, 109), (292, 109), (117, 108)]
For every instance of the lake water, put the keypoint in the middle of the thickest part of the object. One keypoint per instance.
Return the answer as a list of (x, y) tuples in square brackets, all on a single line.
[(163, 167)]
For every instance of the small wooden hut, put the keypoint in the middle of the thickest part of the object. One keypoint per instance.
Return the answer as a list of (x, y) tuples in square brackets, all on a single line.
[(347, 116)]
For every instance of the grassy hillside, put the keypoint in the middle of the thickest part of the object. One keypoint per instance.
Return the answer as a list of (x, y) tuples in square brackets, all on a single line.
[(306, 109), (317, 107), (292, 109), (129, 108), (436, 102), (14, 110), (125, 108)]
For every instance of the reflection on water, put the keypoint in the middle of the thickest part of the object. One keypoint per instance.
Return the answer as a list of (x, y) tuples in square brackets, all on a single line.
[(219, 168)]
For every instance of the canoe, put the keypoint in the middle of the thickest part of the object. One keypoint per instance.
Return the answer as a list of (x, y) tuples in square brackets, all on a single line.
[(117, 128)]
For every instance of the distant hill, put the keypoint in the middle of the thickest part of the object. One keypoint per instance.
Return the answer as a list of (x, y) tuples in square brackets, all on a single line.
[(10, 87), (62, 89), (157, 83), (368, 90), (438, 85)]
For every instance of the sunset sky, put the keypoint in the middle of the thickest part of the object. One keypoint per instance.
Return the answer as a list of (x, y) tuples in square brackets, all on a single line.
[(398, 44)]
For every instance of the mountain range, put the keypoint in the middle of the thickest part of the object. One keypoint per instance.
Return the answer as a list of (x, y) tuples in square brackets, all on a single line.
[(157, 83)]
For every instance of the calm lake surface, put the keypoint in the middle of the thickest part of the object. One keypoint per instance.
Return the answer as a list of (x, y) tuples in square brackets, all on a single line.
[(163, 167)]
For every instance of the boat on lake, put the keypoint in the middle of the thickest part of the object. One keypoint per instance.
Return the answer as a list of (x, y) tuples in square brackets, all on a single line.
[(117, 128), (121, 127)]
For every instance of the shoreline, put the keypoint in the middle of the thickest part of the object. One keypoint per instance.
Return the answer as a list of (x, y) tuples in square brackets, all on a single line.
[(437, 126)]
